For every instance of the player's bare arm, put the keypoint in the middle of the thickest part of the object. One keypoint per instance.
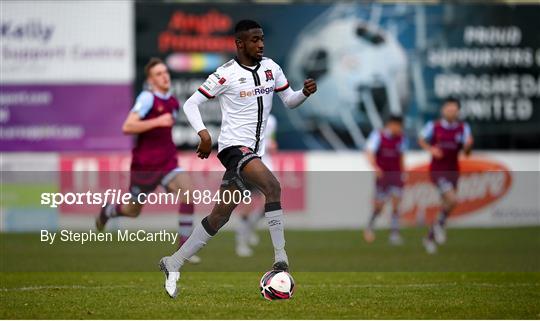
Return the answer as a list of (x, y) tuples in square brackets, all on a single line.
[(135, 125), (435, 151), (373, 162), (467, 147)]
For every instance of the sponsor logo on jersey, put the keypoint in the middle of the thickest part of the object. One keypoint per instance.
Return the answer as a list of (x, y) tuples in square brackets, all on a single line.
[(222, 81), (257, 91), (481, 183), (269, 75)]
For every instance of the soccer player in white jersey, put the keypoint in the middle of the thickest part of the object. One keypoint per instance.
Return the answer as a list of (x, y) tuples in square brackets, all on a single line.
[(244, 87)]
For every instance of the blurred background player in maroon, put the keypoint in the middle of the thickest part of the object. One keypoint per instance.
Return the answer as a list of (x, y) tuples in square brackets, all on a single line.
[(444, 139), (384, 151), (154, 158)]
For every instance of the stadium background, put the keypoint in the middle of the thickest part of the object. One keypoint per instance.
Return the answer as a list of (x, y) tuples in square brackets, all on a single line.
[(70, 73), (71, 70)]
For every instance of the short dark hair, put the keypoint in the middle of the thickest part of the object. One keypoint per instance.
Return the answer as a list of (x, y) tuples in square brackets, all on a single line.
[(151, 64), (245, 25), (452, 99), (394, 118)]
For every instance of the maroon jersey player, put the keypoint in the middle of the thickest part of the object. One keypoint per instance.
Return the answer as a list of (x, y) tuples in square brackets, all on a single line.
[(384, 150), (444, 139), (154, 162)]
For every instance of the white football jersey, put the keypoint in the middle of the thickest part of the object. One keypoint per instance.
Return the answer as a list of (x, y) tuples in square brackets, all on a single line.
[(245, 96)]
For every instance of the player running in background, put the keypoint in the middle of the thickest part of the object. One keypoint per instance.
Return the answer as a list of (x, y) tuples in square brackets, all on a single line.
[(244, 87), (154, 161), (251, 213), (384, 151), (444, 139)]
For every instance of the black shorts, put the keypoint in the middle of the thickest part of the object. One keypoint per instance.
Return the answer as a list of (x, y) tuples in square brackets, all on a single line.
[(235, 158)]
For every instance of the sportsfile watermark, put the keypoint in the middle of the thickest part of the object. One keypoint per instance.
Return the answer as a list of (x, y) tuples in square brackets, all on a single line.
[(117, 196)]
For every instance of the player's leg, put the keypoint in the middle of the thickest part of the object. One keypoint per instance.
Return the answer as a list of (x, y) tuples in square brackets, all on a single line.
[(181, 182), (203, 231), (449, 201), (254, 217), (243, 231), (131, 209), (178, 181), (378, 204), (395, 234), (257, 174), (141, 183), (201, 234)]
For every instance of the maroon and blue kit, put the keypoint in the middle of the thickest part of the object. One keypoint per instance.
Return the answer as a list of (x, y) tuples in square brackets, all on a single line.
[(449, 138), (154, 161), (388, 150)]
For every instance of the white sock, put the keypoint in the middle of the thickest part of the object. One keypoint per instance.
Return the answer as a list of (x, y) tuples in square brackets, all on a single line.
[(276, 224), (198, 238)]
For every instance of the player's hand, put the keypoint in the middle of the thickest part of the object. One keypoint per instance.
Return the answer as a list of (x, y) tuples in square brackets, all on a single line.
[(436, 152), (378, 172), (205, 146), (467, 148), (310, 87), (165, 120)]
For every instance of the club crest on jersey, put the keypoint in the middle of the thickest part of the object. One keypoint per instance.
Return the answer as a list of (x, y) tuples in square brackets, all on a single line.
[(160, 108), (269, 75), (244, 150)]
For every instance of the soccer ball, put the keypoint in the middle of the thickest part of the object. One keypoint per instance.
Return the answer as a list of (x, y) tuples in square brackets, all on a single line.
[(277, 285)]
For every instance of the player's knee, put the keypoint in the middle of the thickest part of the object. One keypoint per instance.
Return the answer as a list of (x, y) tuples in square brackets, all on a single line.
[(217, 219), (273, 191), (377, 207)]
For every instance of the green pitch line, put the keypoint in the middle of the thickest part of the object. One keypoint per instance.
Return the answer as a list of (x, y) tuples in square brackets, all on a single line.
[(467, 250), (234, 295)]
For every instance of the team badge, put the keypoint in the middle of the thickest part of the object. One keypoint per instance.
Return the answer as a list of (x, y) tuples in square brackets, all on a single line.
[(160, 108), (222, 80), (269, 75)]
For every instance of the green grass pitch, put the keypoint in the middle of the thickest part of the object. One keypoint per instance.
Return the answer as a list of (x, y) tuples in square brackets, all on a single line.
[(479, 274)]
